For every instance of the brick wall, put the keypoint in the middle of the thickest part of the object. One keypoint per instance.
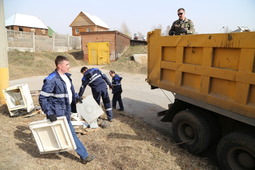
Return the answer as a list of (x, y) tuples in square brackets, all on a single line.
[(122, 43), (118, 42), (38, 31)]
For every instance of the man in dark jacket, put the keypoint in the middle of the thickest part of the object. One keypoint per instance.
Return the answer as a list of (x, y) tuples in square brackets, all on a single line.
[(98, 83), (116, 90), (58, 98)]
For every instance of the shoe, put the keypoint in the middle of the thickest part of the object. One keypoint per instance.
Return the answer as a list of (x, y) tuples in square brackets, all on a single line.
[(88, 159), (110, 120)]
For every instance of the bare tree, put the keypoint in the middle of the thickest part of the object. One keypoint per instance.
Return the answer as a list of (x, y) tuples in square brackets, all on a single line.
[(167, 30), (124, 29), (157, 27), (141, 36)]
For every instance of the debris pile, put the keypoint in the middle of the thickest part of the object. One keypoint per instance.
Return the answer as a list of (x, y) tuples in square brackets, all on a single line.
[(53, 137)]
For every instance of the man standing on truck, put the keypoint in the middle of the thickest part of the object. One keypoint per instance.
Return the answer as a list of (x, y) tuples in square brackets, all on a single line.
[(183, 25)]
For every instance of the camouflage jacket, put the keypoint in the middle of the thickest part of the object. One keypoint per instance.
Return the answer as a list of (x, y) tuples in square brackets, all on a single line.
[(178, 25)]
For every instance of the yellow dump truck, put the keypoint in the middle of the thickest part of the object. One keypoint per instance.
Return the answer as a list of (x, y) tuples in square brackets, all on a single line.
[(212, 77)]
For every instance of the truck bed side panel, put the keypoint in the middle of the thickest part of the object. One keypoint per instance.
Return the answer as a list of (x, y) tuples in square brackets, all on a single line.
[(218, 69)]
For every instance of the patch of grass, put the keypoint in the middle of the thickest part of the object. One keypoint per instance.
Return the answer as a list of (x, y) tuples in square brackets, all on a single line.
[(127, 66), (127, 143), (27, 64), (125, 62)]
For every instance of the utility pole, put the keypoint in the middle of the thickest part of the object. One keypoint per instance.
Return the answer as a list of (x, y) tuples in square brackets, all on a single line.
[(4, 70)]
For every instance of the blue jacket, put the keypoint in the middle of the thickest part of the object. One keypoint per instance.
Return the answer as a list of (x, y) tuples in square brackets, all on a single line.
[(116, 84), (54, 96), (95, 79)]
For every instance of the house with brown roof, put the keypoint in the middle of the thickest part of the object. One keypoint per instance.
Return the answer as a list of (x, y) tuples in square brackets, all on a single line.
[(86, 22), (26, 23), (99, 44)]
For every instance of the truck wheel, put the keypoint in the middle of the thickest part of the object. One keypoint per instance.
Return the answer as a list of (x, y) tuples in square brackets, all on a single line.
[(237, 151), (192, 131), (214, 126)]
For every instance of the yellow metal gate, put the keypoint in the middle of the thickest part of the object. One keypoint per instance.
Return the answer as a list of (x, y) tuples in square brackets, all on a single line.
[(98, 53)]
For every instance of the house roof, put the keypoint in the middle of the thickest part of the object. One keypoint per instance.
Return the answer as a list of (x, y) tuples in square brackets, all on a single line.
[(25, 20), (94, 19), (242, 29), (50, 31)]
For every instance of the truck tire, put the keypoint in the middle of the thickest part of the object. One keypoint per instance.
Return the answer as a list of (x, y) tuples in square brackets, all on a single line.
[(237, 151), (214, 125), (192, 131)]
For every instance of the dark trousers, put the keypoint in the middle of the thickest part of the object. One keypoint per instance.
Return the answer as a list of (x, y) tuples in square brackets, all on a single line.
[(106, 100), (117, 98)]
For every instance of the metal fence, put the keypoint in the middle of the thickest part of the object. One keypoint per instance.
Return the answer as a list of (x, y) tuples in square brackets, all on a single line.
[(28, 41)]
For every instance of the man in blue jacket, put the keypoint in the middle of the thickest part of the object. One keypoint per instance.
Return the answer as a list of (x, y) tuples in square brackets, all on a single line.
[(116, 90), (98, 83), (58, 98)]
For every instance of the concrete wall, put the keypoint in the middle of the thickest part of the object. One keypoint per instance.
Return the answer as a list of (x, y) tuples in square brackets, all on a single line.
[(27, 41), (118, 42)]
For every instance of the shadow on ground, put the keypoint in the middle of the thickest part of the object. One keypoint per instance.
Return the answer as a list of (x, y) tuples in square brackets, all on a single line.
[(147, 112), (144, 112), (78, 55), (4, 110)]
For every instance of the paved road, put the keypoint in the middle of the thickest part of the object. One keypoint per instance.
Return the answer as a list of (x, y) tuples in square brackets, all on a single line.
[(139, 100)]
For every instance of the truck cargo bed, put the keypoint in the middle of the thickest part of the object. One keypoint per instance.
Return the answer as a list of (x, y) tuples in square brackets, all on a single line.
[(216, 69)]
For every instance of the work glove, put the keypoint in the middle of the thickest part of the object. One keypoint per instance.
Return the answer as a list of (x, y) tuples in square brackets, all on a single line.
[(183, 31), (79, 99), (52, 118)]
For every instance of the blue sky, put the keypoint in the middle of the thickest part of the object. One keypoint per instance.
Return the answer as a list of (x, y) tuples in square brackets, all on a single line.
[(139, 15)]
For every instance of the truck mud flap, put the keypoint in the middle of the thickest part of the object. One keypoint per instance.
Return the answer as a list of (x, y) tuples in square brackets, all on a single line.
[(174, 108)]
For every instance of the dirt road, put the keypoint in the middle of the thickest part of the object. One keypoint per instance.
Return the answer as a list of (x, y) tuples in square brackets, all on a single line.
[(139, 100)]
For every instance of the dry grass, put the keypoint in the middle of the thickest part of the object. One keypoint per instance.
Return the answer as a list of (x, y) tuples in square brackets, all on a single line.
[(126, 144), (128, 66), (125, 62), (27, 64)]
